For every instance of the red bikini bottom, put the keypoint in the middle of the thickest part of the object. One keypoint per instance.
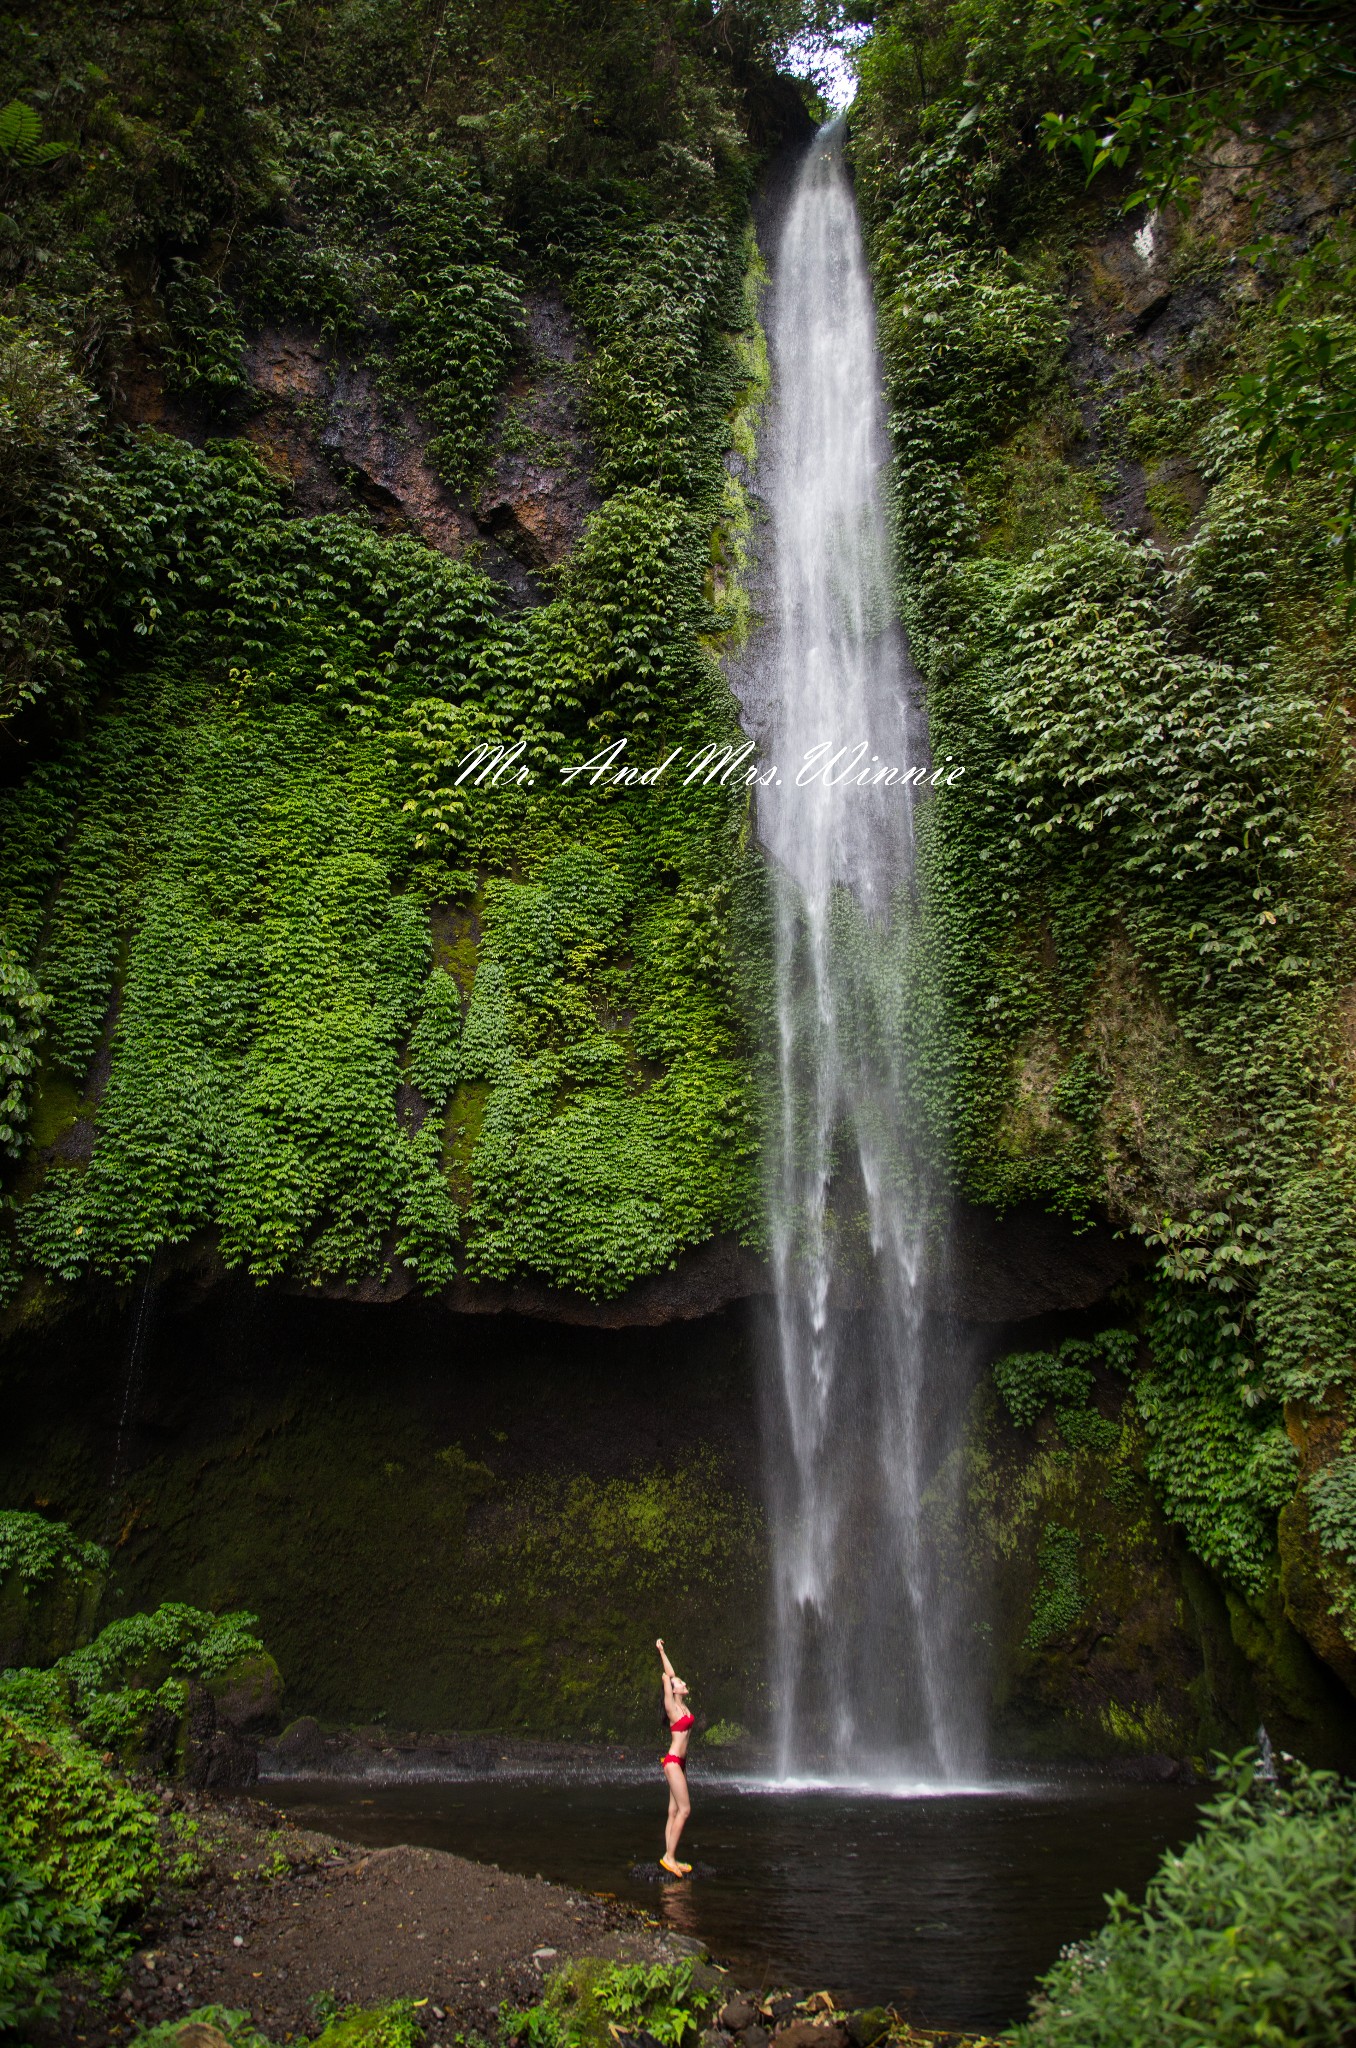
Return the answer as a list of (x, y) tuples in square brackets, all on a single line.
[(681, 1762)]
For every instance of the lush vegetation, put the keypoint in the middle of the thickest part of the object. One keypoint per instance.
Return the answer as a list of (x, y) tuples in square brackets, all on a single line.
[(267, 967), (35, 1549), (79, 1856), (1246, 1936), (134, 1674), (587, 2002), (81, 1849), (1122, 486)]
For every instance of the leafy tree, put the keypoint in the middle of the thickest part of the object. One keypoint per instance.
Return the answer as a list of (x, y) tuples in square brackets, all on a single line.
[(1159, 85)]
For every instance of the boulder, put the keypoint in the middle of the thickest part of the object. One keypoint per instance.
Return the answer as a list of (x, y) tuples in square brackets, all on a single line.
[(301, 1744), (196, 2034), (248, 1696), (811, 2034), (737, 2014), (214, 1757)]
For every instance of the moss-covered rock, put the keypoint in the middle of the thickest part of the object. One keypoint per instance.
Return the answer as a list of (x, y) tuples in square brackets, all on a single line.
[(1106, 1638), (1318, 1580), (50, 1587)]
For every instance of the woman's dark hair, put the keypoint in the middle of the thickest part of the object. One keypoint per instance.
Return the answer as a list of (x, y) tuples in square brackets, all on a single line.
[(663, 1709)]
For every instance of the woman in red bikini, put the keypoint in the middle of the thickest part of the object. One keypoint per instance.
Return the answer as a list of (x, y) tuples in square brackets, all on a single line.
[(674, 1765)]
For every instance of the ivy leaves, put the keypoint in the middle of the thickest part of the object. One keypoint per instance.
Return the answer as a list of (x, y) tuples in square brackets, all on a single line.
[(402, 257), (968, 342), (1220, 1460), (22, 1007), (1154, 734), (660, 382), (1301, 408), (1191, 763), (252, 838), (226, 881), (1030, 1380)]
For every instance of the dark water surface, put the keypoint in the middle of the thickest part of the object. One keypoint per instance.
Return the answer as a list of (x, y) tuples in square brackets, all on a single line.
[(948, 1906)]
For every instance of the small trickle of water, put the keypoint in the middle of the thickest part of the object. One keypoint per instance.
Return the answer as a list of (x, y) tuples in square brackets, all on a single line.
[(869, 1669), (131, 1394)]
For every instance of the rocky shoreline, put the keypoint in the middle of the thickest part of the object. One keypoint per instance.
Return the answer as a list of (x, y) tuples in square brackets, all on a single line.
[(264, 1917)]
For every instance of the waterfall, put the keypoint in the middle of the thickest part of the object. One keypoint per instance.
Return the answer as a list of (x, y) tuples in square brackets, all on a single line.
[(867, 1664)]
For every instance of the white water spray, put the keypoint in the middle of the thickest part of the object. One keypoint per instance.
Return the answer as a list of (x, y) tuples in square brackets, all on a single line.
[(867, 1633)]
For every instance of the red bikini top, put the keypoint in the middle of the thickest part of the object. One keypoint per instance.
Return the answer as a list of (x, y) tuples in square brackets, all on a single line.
[(683, 1721)]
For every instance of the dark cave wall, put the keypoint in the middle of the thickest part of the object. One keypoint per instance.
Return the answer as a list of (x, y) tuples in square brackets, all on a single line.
[(482, 1522), (457, 1523)]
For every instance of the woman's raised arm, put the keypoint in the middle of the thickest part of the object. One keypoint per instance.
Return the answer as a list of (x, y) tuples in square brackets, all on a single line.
[(670, 1702)]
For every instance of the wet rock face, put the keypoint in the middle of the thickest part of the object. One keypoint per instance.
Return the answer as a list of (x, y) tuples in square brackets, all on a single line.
[(1028, 1263), (325, 423), (1319, 1590), (322, 421), (216, 1757), (42, 1619), (1140, 308), (442, 1520), (538, 494)]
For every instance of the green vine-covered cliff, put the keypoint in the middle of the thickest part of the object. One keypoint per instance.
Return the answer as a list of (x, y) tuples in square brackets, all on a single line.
[(270, 971), (1121, 408)]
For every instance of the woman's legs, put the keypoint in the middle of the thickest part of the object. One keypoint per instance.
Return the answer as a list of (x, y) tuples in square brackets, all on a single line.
[(680, 1806)]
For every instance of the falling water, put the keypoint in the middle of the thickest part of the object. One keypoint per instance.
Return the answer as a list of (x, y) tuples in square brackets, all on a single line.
[(867, 1664)]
